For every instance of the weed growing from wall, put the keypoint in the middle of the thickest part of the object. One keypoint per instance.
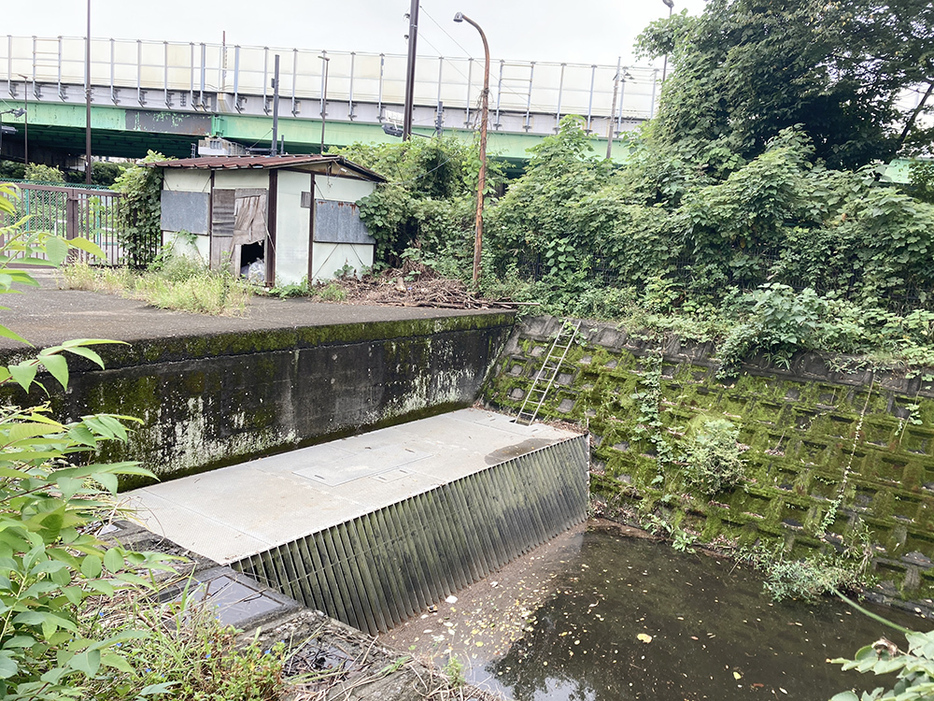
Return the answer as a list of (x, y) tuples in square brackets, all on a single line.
[(714, 458)]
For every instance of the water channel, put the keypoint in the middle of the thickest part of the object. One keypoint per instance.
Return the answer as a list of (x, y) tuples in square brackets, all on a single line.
[(600, 617)]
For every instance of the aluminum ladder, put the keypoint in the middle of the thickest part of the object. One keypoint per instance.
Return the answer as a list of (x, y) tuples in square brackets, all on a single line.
[(545, 377)]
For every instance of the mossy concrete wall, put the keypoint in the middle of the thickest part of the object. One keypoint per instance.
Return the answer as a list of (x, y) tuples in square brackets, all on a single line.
[(813, 433), (210, 401)]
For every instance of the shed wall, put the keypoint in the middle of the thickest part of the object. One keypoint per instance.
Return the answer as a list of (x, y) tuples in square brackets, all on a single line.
[(292, 228)]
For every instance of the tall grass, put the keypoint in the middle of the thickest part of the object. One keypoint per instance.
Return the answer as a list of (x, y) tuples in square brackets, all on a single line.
[(178, 283), (187, 655)]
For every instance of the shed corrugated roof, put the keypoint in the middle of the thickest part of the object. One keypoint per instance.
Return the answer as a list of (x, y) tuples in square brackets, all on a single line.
[(312, 163)]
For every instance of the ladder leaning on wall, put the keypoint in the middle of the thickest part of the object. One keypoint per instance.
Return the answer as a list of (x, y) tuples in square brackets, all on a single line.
[(544, 379)]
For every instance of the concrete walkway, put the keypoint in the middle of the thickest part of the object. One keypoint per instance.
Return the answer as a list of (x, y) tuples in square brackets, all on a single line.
[(239, 511), (49, 315)]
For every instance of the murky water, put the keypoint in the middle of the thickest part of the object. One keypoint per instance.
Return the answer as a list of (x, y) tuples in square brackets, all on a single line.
[(707, 632), (616, 618)]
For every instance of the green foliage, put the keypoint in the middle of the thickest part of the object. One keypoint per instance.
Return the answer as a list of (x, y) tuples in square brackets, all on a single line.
[(141, 211), (649, 424), (714, 460), (913, 668), (746, 69), (40, 173), (454, 672), (777, 323), (538, 218), (921, 178), (10, 170), (430, 199), (51, 504), (189, 655)]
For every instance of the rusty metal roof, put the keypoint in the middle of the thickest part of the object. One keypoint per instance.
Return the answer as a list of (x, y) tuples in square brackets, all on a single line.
[(310, 163)]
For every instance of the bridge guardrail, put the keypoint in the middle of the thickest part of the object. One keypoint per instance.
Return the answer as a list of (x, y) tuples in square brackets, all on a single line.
[(205, 68)]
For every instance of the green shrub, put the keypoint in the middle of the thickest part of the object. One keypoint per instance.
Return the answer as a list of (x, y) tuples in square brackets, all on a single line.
[(778, 322), (714, 462), (189, 655), (53, 499), (44, 174), (914, 668)]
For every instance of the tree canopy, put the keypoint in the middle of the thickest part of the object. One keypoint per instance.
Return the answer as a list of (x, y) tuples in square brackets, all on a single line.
[(856, 74)]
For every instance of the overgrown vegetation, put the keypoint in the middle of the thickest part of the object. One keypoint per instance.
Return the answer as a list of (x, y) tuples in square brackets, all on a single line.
[(51, 504), (76, 622), (141, 211), (188, 655), (427, 208), (714, 460), (749, 210), (775, 255), (176, 282)]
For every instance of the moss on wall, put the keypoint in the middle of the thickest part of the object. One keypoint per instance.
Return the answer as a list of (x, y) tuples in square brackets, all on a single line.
[(207, 402), (825, 448)]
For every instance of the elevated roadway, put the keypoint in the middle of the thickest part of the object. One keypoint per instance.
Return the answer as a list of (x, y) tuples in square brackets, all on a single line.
[(167, 95)]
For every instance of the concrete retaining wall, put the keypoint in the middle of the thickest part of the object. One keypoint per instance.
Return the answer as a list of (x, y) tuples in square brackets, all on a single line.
[(211, 401), (857, 445)]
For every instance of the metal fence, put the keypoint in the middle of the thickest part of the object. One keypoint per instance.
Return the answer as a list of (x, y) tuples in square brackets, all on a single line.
[(72, 212)]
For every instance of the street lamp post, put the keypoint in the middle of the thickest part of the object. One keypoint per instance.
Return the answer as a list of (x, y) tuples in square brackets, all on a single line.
[(410, 72), (670, 4), (484, 110)]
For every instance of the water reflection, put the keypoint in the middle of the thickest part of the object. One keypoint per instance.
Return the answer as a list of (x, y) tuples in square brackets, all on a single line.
[(707, 631)]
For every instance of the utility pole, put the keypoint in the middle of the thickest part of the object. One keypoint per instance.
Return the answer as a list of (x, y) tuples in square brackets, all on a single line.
[(610, 132), (324, 100), (25, 120), (275, 108), (87, 102), (410, 72)]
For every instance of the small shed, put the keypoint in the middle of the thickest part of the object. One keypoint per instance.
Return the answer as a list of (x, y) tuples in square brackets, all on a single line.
[(281, 219)]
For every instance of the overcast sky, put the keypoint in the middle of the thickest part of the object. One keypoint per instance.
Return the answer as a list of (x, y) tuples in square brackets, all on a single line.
[(595, 31)]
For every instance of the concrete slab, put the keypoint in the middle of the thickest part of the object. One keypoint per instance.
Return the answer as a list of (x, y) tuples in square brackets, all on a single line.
[(238, 511)]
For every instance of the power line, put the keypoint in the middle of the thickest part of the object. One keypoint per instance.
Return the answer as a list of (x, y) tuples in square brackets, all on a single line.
[(466, 52)]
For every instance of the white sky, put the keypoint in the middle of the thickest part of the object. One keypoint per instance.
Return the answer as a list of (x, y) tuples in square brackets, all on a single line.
[(596, 31)]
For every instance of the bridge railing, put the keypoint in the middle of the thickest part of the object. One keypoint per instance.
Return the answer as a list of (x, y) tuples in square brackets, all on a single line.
[(203, 68), (72, 212)]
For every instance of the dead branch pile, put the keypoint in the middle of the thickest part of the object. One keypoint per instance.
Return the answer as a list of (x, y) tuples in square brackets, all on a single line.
[(415, 285)]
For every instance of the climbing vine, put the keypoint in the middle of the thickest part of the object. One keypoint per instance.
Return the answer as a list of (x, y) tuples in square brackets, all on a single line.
[(140, 211), (649, 424)]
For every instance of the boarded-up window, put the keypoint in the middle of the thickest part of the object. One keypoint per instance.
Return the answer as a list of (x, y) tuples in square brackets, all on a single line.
[(222, 213), (185, 211), (339, 222)]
